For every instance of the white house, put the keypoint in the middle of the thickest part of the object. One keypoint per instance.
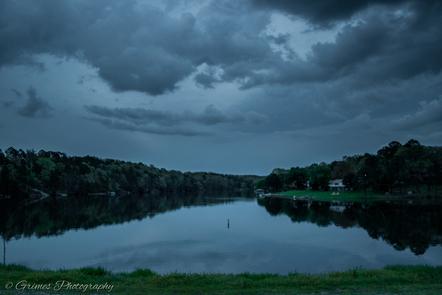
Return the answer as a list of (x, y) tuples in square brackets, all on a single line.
[(336, 185)]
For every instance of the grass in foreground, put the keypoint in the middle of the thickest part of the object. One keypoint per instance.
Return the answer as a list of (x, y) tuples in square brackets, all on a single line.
[(390, 280), (354, 196)]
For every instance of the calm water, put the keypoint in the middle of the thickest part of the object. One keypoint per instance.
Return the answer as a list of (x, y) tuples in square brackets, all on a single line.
[(223, 236)]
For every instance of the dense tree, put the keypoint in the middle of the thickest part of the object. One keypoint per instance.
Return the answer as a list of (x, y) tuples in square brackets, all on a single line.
[(296, 178), (395, 168), (320, 175), (273, 182), (22, 174)]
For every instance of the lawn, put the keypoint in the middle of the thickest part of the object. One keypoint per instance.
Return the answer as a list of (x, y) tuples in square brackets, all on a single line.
[(390, 280), (353, 196)]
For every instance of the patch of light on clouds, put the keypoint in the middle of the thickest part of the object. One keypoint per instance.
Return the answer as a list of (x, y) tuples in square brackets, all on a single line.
[(302, 35), (65, 82), (190, 96), (174, 8)]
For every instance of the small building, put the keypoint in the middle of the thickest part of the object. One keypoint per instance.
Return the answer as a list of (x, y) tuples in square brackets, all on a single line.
[(259, 192), (336, 185)]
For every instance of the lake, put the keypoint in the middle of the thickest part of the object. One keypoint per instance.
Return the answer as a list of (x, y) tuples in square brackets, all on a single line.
[(221, 235)]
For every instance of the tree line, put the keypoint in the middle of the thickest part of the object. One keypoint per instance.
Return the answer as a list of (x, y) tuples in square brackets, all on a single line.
[(395, 168), (22, 173)]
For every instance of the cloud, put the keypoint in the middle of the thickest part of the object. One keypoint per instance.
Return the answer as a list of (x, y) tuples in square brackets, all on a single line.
[(165, 122), (35, 106), (16, 92), (375, 50), (122, 125), (322, 12), (7, 103), (137, 46), (210, 116), (205, 80), (429, 113), (279, 81), (134, 46)]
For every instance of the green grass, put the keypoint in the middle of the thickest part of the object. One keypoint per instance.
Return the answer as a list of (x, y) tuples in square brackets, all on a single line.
[(390, 280), (354, 196)]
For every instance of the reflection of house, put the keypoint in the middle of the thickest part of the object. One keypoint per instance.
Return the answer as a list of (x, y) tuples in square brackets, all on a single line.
[(105, 194), (36, 193), (336, 185), (337, 208)]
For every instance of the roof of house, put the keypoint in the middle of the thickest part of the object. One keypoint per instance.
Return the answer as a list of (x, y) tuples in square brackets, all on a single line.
[(336, 183)]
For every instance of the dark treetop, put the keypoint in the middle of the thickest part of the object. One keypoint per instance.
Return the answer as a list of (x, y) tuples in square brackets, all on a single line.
[(395, 168), (26, 174)]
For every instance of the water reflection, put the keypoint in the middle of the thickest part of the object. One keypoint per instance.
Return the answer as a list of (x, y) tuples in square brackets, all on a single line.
[(227, 235), (4, 251), (402, 225), (55, 216)]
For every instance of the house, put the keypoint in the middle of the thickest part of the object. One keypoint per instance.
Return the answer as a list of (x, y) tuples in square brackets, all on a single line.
[(259, 192), (336, 185)]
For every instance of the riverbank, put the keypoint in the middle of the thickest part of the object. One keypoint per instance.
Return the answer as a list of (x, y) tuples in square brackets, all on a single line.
[(347, 196), (390, 280)]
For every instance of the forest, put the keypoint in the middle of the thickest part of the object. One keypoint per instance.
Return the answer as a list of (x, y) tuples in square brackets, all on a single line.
[(395, 168), (30, 174)]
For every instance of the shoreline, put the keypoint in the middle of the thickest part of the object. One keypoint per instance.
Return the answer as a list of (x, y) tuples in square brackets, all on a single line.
[(348, 196), (415, 279)]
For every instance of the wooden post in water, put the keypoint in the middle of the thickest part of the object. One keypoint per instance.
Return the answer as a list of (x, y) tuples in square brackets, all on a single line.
[(365, 185), (4, 251), (228, 223)]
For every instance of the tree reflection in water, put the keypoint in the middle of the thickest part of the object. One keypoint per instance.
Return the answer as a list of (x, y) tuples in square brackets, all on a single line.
[(54, 216), (400, 224)]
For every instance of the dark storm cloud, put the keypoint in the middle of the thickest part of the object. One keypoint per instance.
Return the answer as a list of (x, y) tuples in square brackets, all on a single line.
[(381, 48), (206, 80), (429, 114), (7, 102), (140, 116), (159, 130), (134, 46), (323, 11), (116, 38), (35, 106), (385, 45), (16, 92)]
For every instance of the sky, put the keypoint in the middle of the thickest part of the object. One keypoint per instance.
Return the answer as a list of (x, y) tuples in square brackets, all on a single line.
[(236, 87)]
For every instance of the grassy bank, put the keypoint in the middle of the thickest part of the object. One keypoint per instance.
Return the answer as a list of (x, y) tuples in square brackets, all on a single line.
[(353, 196), (390, 280)]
